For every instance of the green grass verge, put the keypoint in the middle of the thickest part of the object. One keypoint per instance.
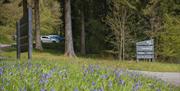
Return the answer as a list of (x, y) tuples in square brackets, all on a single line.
[(51, 71), (5, 39), (53, 56), (44, 75)]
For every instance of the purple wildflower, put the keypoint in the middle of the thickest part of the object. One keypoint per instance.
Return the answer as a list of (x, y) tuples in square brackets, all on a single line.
[(46, 76), (43, 81), (101, 89), (52, 70), (122, 82), (25, 89), (91, 68), (158, 90), (1, 70), (76, 89), (42, 89), (97, 67), (85, 72), (118, 74), (52, 89), (136, 86), (93, 83), (104, 76)]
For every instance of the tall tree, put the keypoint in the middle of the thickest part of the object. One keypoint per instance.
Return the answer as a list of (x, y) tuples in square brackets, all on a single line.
[(169, 36), (37, 25), (154, 15), (69, 48), (87, 22), (82, 9), (117, 21), (83, 34)]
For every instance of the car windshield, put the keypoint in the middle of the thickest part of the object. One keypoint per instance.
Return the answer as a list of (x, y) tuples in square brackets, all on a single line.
[(54, 37)]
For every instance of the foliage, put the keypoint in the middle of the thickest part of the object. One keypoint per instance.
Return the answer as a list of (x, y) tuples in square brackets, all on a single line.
[(44, 75), (50, 17), (158, 19), (122, 20), (8, 20), (57, 56), (170, 38), (11, 12)]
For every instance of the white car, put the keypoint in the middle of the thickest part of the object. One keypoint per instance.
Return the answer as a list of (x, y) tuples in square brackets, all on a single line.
[(51, 39)]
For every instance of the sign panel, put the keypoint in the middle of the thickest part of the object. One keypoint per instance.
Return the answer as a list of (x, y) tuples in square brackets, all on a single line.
[(144, 43), (145, 49), (24, 34), (145, 56)]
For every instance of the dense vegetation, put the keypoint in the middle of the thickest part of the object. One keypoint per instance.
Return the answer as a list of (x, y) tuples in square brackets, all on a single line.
[(91, 28), (71, 76), (106, 24), (54, 56), (51, 71)]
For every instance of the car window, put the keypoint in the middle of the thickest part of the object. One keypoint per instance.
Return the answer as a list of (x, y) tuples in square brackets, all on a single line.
[(54, 37), (45, 37)]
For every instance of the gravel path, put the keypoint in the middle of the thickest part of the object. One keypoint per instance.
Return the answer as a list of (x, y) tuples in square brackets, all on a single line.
[(3, 46), (170, 77)]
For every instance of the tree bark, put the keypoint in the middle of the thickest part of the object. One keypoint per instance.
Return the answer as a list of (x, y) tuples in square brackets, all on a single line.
[(24, 7), (83, 41), (69, 49), (37, 25), (123, 32)]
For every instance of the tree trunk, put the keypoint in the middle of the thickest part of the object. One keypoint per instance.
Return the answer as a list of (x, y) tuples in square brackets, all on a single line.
[(69, 49), (124, 20), (83, 41), (24, 7), (121, 47), (37, 25)]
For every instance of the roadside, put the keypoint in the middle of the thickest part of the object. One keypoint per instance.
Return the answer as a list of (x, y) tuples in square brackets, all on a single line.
[(3, 46), (169, 77), (170, 72)]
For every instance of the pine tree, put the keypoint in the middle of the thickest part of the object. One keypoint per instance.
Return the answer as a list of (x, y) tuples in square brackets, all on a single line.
[(69, 48)]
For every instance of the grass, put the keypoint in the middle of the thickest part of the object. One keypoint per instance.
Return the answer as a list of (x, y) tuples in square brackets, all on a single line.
[(50, 55), (5, 39), (51, 71), (43, 75)]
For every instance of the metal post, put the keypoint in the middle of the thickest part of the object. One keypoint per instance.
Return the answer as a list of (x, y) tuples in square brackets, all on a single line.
[(30, 47), (18, 40)]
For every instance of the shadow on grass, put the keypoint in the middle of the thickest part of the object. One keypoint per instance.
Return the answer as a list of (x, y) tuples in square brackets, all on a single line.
[(10, 48), (53, 48), (51, 51)]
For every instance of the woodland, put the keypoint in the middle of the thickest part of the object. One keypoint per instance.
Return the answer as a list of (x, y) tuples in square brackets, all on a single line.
[(106, 28)]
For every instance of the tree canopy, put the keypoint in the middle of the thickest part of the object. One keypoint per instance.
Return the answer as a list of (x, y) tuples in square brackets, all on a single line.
[(105, 27)]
